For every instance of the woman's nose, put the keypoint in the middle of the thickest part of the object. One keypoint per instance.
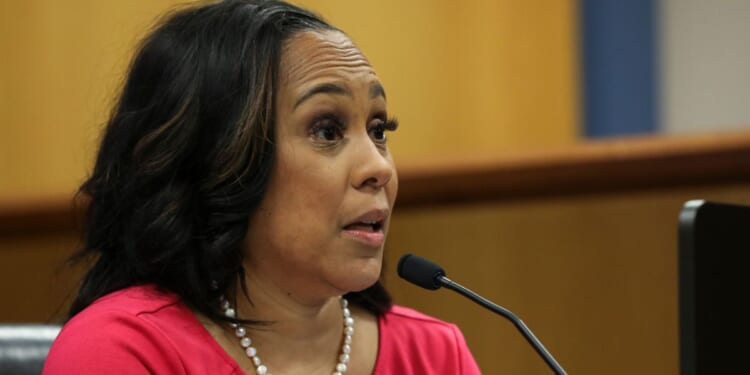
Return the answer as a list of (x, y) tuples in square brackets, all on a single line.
[(373, 168)]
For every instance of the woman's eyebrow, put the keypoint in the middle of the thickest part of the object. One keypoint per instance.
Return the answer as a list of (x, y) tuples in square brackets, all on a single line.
[(323, 88), (376, 89)]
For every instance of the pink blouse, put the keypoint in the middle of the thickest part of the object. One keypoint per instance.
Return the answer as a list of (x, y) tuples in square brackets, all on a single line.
[(140, 330)]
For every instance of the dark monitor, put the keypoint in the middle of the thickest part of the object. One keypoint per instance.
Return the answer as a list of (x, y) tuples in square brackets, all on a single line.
[(714, 288)]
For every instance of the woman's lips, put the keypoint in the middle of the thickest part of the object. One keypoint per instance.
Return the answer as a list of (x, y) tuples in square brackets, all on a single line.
[(368, 227), (367, 235)]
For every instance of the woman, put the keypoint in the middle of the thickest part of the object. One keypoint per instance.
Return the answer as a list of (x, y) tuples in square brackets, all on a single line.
[(242, 186)]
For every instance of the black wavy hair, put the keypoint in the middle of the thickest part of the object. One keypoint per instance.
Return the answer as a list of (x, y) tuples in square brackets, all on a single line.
[(186, 156)]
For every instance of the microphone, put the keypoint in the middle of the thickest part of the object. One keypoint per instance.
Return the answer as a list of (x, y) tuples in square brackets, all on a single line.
[(429, 275)]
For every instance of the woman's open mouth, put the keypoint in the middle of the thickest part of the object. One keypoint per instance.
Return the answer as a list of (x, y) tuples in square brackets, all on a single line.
[(365, 226), (368, 228)]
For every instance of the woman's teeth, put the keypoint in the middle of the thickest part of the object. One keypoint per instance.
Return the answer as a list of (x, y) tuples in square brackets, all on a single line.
[(369, 227)]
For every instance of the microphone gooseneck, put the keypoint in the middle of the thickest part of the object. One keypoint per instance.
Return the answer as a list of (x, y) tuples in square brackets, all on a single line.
[(429, 275)]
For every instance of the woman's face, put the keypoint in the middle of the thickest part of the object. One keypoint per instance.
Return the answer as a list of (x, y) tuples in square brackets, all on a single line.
[(321, 226)]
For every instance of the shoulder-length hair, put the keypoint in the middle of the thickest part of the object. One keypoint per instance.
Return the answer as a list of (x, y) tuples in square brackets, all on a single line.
[(186, 156)]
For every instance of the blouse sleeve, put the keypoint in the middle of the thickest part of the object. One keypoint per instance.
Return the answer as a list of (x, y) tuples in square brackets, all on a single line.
[(467, 365)]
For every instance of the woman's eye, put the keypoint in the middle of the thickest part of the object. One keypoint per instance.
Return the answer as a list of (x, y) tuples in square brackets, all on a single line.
[(327, 130), (328, 133), (377, 130)]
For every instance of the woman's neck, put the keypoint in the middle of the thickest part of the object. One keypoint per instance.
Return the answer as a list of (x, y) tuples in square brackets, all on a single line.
[(290, 315), (302, 335)]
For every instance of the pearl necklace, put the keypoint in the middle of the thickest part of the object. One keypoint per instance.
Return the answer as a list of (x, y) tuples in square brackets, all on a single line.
[(252, 352)]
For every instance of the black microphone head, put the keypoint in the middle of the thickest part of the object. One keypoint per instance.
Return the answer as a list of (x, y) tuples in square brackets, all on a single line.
[(420, 271)]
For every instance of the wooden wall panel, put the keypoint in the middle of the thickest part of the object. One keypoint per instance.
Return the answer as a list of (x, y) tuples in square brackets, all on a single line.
[(463, 78), (62, 62), (594, 277), (35, 282)]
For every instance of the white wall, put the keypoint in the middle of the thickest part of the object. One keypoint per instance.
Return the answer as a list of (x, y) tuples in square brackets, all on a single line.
[(705, 65)]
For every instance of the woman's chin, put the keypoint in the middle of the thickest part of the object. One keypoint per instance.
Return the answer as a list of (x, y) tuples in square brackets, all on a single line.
[(364, 285), (361, 280)]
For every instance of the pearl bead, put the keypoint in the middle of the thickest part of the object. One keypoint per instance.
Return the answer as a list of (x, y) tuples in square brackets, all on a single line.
[(346, 349), (256, 361), (341, 367), (245, 342), (261, 370), (251, 352), (240, 332), (229, 313), (344, 358), (348, 331), (348, 321)]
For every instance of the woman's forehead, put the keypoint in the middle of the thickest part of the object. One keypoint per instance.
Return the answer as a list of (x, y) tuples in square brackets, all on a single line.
[(314, 55)]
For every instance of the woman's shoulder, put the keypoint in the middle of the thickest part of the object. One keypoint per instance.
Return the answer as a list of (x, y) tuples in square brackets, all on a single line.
[(406, 314), (408, 322), (135, 330), (137, 310), (134, 300), (423, 344)]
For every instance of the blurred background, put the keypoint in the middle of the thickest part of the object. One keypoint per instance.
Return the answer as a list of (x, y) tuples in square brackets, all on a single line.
[(515, 117)]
